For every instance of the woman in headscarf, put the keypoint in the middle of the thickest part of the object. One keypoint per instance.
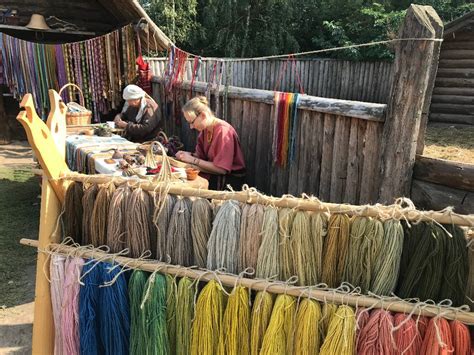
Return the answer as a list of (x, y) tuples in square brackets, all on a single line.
[(218, 153), (140, 115)]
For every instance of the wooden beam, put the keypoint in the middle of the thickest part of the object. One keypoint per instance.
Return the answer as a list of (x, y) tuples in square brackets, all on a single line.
[(430, 195), (330, 296), (456, 63), (413, 66), (453, 99), (457, 54), (455, 82), (445, 172), (452, 118), (467, 73), (453, 91), (358, 109)]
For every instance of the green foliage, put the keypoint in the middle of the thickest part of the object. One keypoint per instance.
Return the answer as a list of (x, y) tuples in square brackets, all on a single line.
[(248, 28)]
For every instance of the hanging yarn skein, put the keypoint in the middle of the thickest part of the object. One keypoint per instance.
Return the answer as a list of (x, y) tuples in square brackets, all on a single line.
[(179, 240), (57, 273), (100, 214), (336, 250), (303, 250), (224, 240), (171, 295), (285, 221), (139, 223), (206, 327), (307, 339), (73, 211), (375, 337), (340, 338), (279, 337), (201, 226), (268, 260), (235, 330), (319, 230), (161, 219), (250, 235), (136, 291), (184, 316), (260, 318), (117, 220), (88, 200)]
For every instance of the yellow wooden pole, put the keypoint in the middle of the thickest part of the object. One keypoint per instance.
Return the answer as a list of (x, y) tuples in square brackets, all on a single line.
[(45, 147), (57, 122)]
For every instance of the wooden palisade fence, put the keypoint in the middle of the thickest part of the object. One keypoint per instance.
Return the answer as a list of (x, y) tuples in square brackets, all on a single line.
[(331, 78), (347, 151)]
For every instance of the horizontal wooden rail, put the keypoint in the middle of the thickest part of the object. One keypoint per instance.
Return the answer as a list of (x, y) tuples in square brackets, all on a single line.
[(253, 196), (363, 110), (390, 304)]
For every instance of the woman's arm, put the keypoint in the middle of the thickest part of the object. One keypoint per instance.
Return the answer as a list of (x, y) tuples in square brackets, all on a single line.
[(203, 165)]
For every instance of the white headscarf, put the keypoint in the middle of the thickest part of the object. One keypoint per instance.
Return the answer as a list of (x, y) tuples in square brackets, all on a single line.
[(134, 92)]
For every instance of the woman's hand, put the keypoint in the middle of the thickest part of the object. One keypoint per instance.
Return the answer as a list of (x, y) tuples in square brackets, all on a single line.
[(184, 156)]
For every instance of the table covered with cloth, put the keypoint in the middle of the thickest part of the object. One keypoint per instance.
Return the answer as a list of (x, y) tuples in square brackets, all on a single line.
[(87, 154)]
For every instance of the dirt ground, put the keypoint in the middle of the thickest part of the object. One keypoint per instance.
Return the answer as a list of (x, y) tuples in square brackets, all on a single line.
[(19, 216), (450, 142)]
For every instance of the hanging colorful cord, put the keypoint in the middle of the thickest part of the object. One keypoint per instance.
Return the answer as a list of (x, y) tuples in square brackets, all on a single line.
[(285, 129)]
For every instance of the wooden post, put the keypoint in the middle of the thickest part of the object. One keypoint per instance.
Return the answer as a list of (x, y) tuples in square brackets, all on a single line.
[(412, 69), (43, 325), (57, 121), (438, 27), (44, 146)]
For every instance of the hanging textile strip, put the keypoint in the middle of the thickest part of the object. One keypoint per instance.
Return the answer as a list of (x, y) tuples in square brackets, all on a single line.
[(171, 67), (211, 76), (293, 127), (196, 63), (296, 73), (92, 81), (61, 66), (226, 90), (216, 86)]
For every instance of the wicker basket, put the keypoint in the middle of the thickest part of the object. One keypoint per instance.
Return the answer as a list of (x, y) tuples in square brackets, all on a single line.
[(77, 118)]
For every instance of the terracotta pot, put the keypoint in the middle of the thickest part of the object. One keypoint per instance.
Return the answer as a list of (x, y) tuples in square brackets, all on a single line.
[(192, 173)]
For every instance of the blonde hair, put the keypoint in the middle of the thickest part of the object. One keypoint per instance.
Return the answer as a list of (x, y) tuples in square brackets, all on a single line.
[(197, 105)]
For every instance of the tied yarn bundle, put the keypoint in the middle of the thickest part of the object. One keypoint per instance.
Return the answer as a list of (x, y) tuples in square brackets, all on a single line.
[(406, 335), (224, 240), (340, 338), (279, 336), (136, 288), (375, 337), (336, 250), (117, 228), (100, 214), (307, 339), (207, 322), (201, 225), (319, 227), (250, 236), (57, 272), (73, 211), (268, 260), (184, 316), (162, 212), (303, 249), (88, 200), (139, 225), (260, 318), (285, 222), (235, 330), (179, 240)]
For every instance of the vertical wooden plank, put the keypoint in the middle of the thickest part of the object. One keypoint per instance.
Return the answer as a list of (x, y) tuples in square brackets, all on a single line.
[(339, 159), (293, 166), (313, 170), (352, 181), (263, 147), (303, 151), (326, 158), (252, 120), (370, 168), (362, 126)]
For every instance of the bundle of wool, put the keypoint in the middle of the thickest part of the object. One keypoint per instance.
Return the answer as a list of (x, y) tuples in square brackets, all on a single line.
[(303, 249), (207, 322), (139, 222), (406, 335), (117, 220), (261, 313), (268, 261), (171, 300), (328, 312), (179, 245), (100, 214), (162, 211), (461, 338), (319, 230), (307, 336), (387, 263), (201, 225), (224, 240), (456, 272), (279, 337), (438, 338), (340, 338), (136, 291), (73, 211), (235, 330), (376, 336), (184, 316), (335, 250), (285, 222), (250, 235), (423, 262), (366, 236), (88, 200)]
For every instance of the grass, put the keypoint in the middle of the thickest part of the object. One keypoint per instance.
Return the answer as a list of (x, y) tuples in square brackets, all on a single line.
[(450, 142), (19, 218)]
